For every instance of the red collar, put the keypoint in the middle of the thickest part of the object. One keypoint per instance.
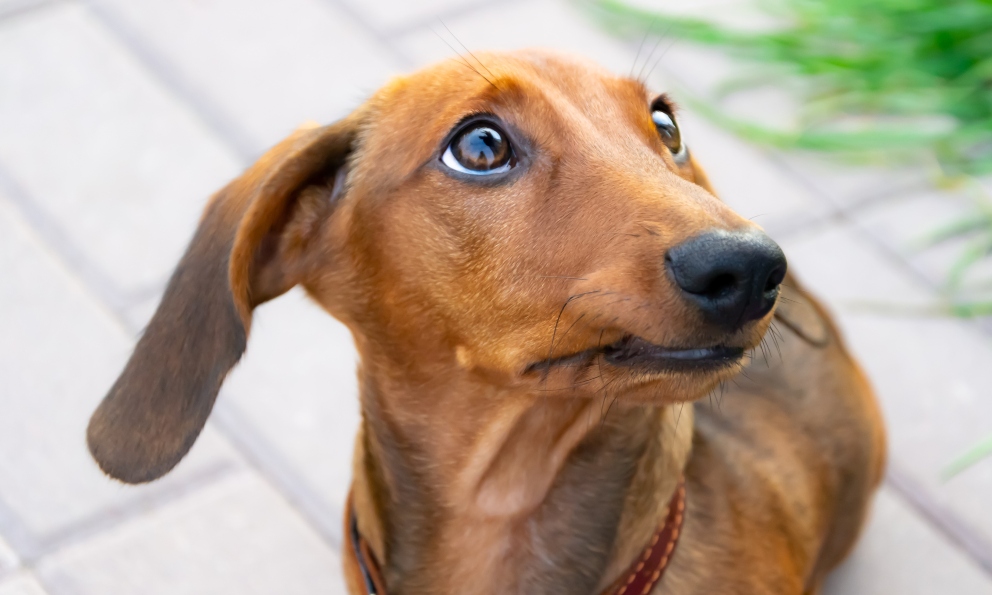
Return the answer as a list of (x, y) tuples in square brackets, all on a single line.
[(640, 578)]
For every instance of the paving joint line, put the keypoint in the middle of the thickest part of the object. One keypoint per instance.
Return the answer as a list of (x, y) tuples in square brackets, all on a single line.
[(452, 14), (92, 276), (844, 215), (383, 39), (31, 548), (138, 507), (27, 546), (234, 426), (25, 7), (324, 519), (226, 418), (8, 572), (211, 115), (944, 521), (17, 534), (972, 543)]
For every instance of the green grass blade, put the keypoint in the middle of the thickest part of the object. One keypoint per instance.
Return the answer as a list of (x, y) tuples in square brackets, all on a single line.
[(975, 454)]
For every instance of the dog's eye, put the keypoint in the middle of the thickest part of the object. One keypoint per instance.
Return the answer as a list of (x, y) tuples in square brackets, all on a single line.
[(670, 134), (479, 149)]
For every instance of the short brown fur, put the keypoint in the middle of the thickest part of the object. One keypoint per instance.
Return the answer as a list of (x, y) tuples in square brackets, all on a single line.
[(499, 452)]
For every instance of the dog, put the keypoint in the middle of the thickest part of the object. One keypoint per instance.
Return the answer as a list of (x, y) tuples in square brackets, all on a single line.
[(543, 290)]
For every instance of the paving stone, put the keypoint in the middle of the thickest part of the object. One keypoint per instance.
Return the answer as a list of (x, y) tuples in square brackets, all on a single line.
[(392, 15), (848, 185), (744, 178), (106, 152), (931, 374), (10, 8), (278, 64), (235, 537), (22, 583), (903, 225), (8, 559), (297, 386), (59, 353), (899, 553)]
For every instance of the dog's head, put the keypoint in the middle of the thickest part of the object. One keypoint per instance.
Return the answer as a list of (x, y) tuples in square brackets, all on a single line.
[(538, 224)]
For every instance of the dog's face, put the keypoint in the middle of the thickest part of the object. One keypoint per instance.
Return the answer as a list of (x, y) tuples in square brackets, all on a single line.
[(536, 224), (518, 222)]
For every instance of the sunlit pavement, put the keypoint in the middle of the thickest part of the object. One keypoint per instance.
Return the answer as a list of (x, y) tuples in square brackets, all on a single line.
[(119, 117)]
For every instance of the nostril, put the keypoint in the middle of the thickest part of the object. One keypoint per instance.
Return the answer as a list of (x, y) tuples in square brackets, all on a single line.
[(720, 286), (775, 279)]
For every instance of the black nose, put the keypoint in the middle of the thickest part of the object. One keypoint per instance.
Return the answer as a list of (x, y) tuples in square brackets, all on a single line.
[(733, 277)]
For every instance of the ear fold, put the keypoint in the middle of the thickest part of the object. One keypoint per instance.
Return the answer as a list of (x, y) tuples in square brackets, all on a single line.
[(236, 260)]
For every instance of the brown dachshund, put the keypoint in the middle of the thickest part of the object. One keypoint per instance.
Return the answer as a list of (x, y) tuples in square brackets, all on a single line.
[(538, 279)]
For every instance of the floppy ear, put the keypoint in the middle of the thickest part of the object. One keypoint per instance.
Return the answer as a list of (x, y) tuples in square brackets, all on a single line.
[(250, 247)]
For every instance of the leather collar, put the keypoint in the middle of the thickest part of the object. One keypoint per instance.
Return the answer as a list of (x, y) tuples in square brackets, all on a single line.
[(642, 576)]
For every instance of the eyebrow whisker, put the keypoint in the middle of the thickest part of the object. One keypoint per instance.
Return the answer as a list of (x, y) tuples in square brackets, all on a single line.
[(461, 59), (640, 47), (469, 53)]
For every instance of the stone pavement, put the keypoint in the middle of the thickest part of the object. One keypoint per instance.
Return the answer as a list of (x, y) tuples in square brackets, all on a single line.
[(119, 117)]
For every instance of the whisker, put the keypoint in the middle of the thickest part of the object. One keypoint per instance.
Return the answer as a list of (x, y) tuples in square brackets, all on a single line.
[(679, 418), (599, 358), (773, 333), (610, 408), (603, 389), (647, 59), (554, 332), (658, 61), (462, 59), (640, 47), (469, 52), (571, 326), (573, 386)]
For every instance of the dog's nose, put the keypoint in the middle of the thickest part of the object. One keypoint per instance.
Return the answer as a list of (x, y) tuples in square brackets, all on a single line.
[(733, 277)]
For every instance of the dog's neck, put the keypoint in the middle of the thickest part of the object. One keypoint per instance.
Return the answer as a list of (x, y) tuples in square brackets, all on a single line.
[(462, 487)]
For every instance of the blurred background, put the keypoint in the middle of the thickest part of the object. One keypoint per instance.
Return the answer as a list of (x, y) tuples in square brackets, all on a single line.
[(857, 134)]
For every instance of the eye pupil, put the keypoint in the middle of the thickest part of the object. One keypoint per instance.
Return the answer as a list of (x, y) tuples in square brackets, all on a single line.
[(481, 148)]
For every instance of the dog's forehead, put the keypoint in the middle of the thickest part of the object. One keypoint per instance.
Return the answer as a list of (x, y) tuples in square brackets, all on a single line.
[(413, 113), (493, 76)]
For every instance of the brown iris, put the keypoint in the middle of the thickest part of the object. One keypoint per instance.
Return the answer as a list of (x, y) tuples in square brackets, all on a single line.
[(480, 148)]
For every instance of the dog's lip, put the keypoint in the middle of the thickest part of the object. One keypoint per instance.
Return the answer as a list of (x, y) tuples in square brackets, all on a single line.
[(636, 353)]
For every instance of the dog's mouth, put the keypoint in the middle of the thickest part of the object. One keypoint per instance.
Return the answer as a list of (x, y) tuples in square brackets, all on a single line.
[(637, 354)]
